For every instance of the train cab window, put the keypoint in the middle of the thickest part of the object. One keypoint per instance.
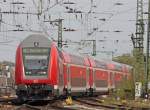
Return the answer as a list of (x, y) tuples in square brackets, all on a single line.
[(36, 61)]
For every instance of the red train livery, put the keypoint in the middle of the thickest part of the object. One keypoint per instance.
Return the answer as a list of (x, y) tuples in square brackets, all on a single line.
[(44, 71)]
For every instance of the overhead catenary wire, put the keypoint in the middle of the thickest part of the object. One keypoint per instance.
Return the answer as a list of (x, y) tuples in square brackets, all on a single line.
[(84, 22), (112, 14), (48, 8)]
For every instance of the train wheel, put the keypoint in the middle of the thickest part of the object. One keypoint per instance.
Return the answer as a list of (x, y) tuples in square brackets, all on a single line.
[(65, 92), (91, 92), (18, 101)]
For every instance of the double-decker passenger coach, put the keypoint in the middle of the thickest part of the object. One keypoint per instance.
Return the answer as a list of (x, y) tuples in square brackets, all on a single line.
[(43, 71)]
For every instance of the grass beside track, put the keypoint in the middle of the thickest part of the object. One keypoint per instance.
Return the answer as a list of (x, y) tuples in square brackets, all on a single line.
[(133, 104)]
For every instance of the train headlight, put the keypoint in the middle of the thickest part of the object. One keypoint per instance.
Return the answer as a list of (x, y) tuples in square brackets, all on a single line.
[(15, 87), (43, 72), (55, 86), (28, 72)]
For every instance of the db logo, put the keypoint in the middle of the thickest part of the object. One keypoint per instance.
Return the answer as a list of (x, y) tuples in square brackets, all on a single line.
[(35, 81)]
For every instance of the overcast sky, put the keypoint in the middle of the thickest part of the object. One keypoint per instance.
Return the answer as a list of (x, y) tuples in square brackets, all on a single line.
[(109, 22)]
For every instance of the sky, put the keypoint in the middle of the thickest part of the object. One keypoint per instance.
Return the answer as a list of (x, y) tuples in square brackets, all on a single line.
[(109, 22)]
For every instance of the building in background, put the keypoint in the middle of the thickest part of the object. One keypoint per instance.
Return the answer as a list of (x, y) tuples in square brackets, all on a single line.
[(6, 78)]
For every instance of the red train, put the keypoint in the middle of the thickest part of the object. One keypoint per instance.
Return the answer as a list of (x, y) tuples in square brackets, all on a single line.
[(44, 71)]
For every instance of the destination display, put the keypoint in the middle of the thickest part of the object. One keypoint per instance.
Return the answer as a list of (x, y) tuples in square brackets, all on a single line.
[(35, 50)]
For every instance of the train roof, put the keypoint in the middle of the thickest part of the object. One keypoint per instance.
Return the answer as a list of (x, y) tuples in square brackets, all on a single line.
[(109, 64), (75, 59), (36, 40), (97, 63), (121, 66)]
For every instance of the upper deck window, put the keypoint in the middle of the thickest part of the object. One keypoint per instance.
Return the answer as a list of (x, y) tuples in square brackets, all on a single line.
[(100, 64), (77, 60)]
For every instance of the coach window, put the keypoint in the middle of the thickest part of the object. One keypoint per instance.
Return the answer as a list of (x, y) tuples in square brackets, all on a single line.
[(119, 67), (77, 60), (100, 64)]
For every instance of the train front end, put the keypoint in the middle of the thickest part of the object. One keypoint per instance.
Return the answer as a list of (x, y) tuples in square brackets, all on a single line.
[(33, 68)]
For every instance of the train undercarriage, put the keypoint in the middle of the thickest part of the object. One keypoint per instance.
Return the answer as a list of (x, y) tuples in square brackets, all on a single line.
[(34, 92)]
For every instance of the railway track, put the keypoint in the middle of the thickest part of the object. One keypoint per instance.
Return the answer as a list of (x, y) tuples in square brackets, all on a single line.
[(88, 103), (28, 107), (96, 103), (55, 104), (50, 106), (80, 103)]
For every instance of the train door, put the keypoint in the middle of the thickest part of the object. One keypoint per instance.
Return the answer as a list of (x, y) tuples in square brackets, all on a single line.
[(101, 81), (90, 81), (60, 77), (118, 79), (68, 79), (93, 76), (60, 72), (87, 78), (78, 78), (111, 82)]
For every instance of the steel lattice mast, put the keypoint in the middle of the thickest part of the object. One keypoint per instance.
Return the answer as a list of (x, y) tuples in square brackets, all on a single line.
[(138, 38), (147, 50)]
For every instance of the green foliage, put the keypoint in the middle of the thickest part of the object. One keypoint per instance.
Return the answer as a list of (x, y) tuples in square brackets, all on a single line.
[(126, 89), (126, 59), (136, 61)]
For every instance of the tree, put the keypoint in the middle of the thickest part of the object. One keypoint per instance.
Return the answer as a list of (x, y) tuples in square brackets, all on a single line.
[(136, 61)]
